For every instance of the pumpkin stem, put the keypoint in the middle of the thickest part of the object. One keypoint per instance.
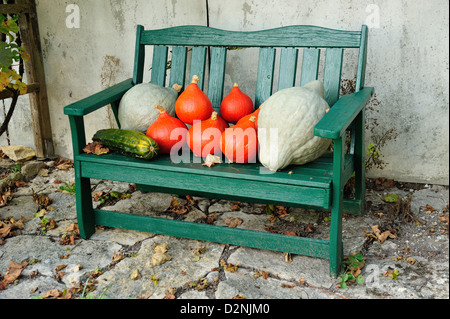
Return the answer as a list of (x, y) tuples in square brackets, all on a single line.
[(195, 79), (177, 87), (160, 109), (214, 116), (253, 119)]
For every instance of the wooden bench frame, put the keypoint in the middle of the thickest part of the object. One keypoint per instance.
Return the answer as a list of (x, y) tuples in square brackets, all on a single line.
[(316, 185)]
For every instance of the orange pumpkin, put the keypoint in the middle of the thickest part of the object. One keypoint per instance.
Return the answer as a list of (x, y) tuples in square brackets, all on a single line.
[(193, 104), (167, 131), (247, 117), (204, 137), (240, 143), (236, 105)]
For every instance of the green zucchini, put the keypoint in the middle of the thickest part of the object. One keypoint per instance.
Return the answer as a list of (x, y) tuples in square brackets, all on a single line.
[(127, 142)]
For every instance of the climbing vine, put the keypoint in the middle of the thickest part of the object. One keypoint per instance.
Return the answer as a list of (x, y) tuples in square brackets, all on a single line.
[(12, 56)]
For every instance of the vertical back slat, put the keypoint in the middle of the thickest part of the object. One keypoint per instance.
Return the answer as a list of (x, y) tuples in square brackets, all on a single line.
[(217, 76), (198, 64), (288, 68), (332, 74), (361, 73), (265, 75), (139, 58), (159, 66), (310, 65), (178, 66)]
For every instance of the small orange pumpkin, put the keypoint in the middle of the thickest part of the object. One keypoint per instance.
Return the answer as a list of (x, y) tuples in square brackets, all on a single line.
[(163, 131), (240, 143), (193, 104), (204, 137), (236, 105)]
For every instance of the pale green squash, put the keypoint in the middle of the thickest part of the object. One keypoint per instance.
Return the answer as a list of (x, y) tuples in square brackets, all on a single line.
[(137, 108), (286, 126)]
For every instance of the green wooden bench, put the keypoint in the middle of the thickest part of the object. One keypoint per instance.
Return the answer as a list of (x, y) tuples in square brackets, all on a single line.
[(317, 185)]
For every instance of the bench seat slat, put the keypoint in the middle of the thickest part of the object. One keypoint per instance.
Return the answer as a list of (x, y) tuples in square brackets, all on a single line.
[(314, 174), (191, 181)]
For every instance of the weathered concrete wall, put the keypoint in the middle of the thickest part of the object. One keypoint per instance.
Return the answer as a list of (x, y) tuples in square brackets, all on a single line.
[(407, 63)]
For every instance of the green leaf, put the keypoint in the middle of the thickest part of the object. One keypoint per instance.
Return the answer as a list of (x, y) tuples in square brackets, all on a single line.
[(6, 56), (12, 25), (390, 198), (359, 257), (360, 280)]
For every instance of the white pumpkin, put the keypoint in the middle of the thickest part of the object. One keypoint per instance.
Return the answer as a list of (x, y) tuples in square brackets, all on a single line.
[(286, 126), (137, 108)]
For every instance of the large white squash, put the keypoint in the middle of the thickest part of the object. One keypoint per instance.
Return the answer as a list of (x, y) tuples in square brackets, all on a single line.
[(286, 126), (137, 108)]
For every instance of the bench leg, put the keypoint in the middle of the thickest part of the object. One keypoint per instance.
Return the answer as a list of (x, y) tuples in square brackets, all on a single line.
[(85, 211), (360, 163), (336, 246)]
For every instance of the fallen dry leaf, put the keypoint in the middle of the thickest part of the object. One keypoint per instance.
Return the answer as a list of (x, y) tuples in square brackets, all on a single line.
[(233, 222), (60, 267), (260, 273), (64, 164), (170, 293), (228, 267), (42, 200), (210, 218), (5, 230), (60, 275), (177, 208), (160, 256), (382, 236), (135, 275), (77, 268), (212, 160), (14, 271), (444, 218), (54, 293), (288, 286), (117, 257), (96, 148), (73, 228), (5, 198)]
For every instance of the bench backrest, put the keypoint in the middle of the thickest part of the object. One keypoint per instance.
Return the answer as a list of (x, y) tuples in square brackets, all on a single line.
[(287, 40)]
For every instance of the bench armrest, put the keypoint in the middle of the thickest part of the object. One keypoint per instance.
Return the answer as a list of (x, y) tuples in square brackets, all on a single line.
[(334, 124), (98, 100)]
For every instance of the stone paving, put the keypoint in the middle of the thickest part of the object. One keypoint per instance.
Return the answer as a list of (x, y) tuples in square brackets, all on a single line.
[(117, 264)]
